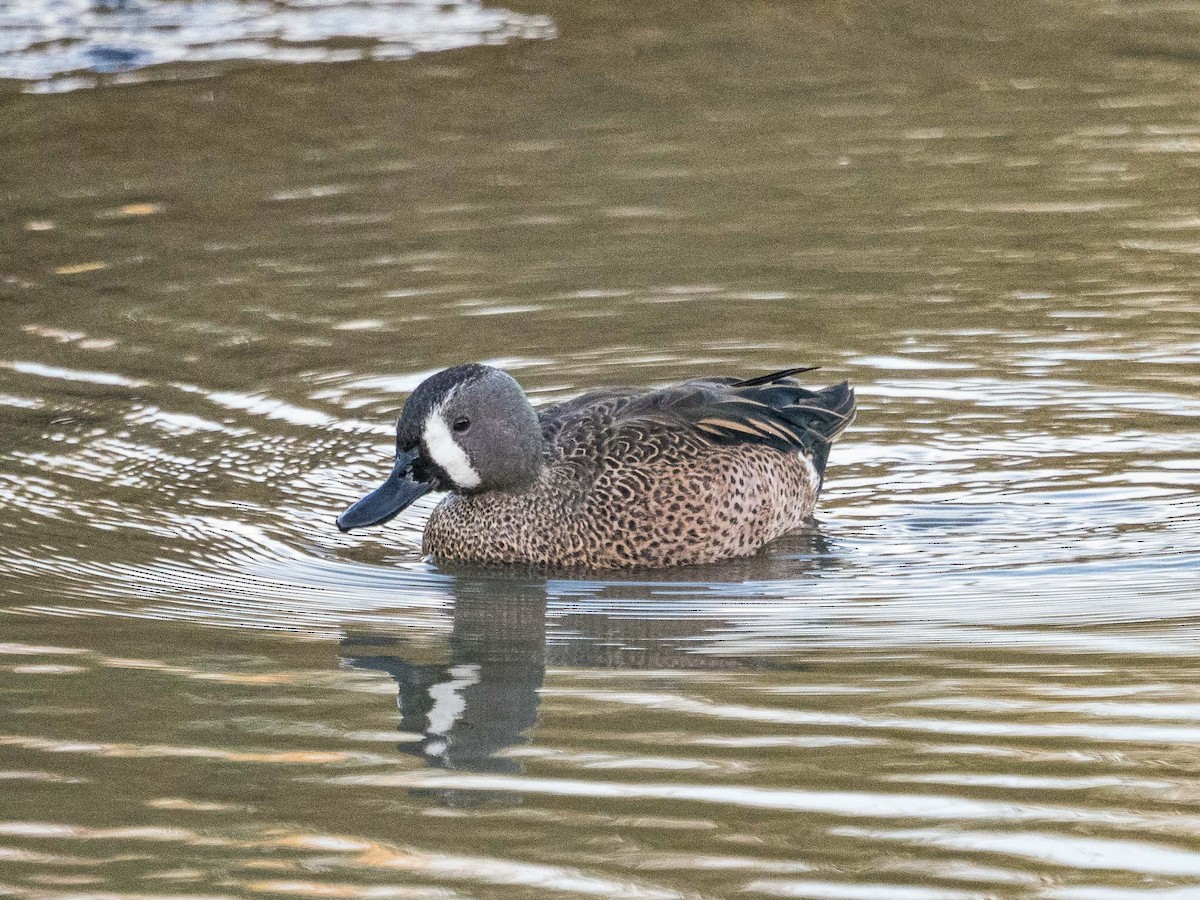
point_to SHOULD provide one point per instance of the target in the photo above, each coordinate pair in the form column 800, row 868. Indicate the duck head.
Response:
column 469, row 429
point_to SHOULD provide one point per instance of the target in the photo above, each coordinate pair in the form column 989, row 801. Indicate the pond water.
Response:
column 974, row 677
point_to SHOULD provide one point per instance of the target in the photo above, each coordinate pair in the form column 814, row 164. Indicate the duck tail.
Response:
column 775, row 376
column 822, row 415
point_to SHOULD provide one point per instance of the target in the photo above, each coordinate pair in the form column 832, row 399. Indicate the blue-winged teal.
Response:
column 701, row 471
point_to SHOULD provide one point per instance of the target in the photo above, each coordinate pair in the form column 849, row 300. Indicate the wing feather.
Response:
column 773, row 410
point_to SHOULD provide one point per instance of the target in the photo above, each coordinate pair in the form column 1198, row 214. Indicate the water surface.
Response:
column 972, row 678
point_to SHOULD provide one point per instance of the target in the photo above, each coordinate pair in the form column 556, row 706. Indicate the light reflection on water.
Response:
column 973, row 677
column 63, row 45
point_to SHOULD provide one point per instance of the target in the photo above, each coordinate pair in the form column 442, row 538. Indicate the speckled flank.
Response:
column 692, row 503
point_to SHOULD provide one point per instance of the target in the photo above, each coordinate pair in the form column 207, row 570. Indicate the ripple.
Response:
column 44, row 371
column 158, row 751
column 839, row 803
column 1074, row 852
column 829, row 890
column 1152, row 734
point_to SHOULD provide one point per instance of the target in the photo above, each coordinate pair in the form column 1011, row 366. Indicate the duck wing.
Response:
column 773, row 410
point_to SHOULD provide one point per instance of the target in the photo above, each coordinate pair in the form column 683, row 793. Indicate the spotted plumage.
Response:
column 701, row 471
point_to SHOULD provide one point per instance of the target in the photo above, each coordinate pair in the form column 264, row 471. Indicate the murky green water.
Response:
column 975, row 679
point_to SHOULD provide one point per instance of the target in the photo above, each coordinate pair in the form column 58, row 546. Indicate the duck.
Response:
column 697, row 472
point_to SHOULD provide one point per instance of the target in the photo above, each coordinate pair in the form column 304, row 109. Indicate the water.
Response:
column 974, row 678
column 64, row 45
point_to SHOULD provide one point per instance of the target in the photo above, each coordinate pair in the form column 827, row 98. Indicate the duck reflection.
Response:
column 483, row 698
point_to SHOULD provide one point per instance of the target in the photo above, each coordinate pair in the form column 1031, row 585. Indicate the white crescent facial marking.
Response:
column 447, row 454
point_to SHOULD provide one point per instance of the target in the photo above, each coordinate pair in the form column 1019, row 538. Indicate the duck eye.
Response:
column 461, row 425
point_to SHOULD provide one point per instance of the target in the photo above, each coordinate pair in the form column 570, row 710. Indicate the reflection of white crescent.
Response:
column 448, row 704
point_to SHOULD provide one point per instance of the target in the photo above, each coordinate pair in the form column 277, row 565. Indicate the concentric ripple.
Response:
column 246, row 487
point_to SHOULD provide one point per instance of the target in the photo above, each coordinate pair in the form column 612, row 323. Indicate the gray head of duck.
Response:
column 468, row 429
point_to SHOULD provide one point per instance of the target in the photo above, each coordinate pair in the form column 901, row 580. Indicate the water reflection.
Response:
column 483, row 698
